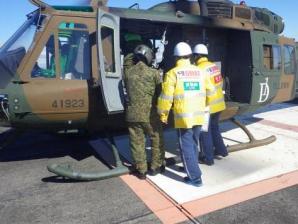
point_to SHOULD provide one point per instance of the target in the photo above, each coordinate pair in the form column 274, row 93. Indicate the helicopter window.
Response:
column 14, row 50
column 289, row 53
column 45, row 65
column 107, row 37
column 74, row 49
column 272, row 57
column 23, row 37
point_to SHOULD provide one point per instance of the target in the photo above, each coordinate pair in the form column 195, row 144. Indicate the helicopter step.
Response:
column 252, row 141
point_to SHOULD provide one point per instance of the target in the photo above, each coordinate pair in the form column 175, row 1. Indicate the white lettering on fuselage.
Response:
column 264, row 92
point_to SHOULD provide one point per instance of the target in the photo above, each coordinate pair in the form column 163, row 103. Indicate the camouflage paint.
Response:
column 30, row 101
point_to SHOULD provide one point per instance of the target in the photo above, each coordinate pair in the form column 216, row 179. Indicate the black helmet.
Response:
column 145, row 52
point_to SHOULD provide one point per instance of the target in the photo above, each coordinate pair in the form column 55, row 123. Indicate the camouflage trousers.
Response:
column 137, row 137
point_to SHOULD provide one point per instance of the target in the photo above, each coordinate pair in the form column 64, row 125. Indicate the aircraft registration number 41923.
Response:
column 67, row 103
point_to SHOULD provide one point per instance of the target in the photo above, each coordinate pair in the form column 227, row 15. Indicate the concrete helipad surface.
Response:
column 239, row 168
column 244, row 174
column 243, row 167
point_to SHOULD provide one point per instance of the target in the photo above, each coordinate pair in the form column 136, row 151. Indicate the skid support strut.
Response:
column 68, row 172
column 252, row 141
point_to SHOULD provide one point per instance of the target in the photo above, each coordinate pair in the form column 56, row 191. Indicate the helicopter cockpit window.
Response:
column 107, row 41
column 272, row 57
column 23, row 37
column 45, row 65
column 289, row 53
column 14, row 50
column 74, row 51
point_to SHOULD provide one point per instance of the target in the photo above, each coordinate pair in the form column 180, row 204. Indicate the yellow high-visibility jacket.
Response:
column 186, row 86
column 216, row 99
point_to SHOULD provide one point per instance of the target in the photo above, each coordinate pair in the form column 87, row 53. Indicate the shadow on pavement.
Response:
column 61, row 180
column 39, row 145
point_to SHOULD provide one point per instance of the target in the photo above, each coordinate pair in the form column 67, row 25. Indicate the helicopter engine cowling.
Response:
column 225, row 9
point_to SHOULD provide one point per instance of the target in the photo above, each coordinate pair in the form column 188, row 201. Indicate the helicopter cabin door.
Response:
column 266, row 67
column 108, row 43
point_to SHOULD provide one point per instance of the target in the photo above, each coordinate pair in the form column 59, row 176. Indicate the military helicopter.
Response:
column 62, row 69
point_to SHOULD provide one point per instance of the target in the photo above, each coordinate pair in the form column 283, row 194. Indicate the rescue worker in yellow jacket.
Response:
column 211, row 141
column 186, row 87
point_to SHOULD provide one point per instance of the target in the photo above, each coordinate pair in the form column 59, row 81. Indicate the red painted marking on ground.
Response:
column 225, row 199
column 274, row 124
column 280, row 125
column 169, row 212
column 160, row 204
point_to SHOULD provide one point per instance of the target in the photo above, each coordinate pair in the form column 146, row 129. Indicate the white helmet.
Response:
column 182, row 49
column 200, row 49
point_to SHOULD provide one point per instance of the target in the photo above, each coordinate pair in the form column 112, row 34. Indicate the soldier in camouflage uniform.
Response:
column 142, row 84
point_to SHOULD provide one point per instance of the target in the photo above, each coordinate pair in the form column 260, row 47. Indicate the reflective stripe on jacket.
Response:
column 216, row 99
column 187, row 87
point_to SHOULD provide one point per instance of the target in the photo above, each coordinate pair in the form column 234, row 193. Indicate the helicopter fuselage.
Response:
column 69, row 74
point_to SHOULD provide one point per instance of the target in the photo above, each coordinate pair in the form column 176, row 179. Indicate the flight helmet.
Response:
column 142, row 51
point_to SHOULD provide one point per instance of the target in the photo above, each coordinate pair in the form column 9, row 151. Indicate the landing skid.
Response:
column 68, row 172
column 252, row 141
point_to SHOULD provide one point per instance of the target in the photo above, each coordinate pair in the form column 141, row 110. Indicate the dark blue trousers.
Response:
column 212, row 141
column 189, row 143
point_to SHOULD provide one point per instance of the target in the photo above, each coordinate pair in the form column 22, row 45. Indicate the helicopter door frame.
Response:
column 108, row 42
column 267, row 66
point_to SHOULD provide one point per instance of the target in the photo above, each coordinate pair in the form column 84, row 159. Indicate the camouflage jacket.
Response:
column 143, row 87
